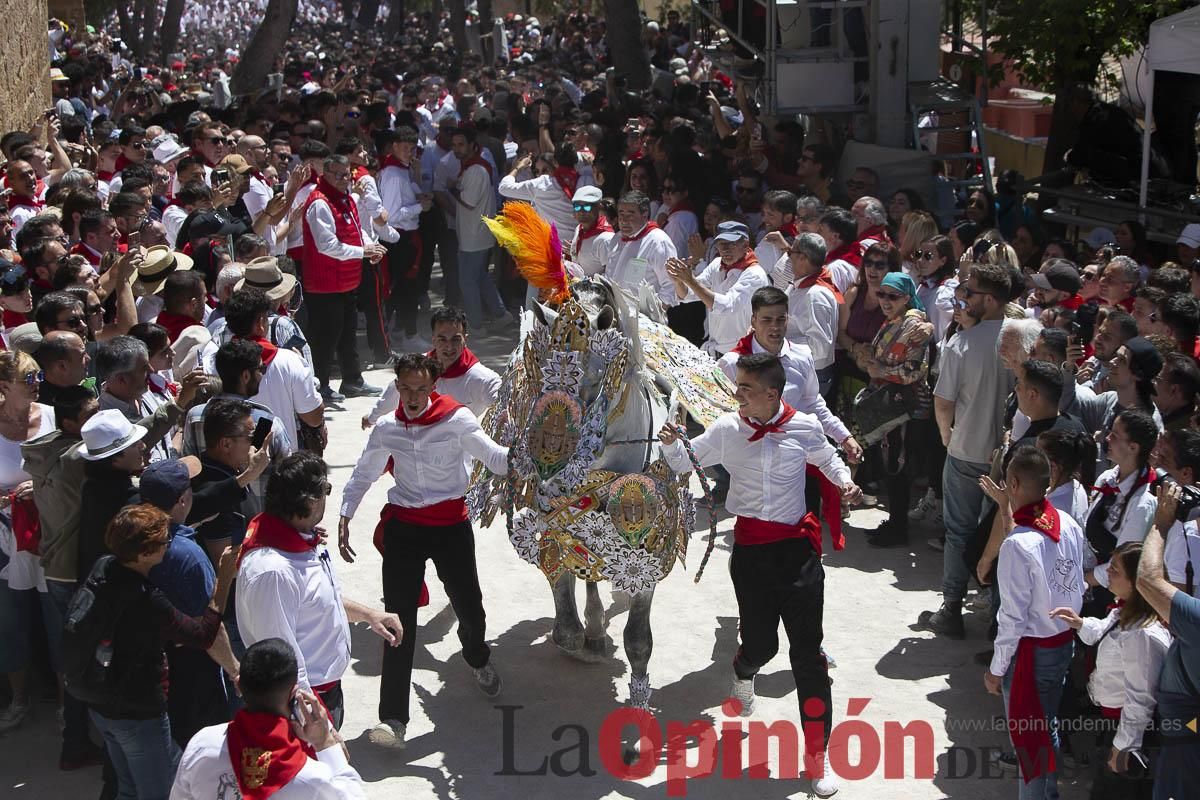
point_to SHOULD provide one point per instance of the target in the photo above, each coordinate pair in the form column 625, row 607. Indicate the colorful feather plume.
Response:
column 534, row 246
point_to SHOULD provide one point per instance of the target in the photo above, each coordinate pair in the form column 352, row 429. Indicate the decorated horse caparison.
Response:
column 587, row 495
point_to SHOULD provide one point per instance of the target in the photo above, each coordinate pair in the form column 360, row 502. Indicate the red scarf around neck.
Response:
column 268, row 348
column 762, row 429
column 268, row 530
column 567, row 178
column 359, row 172
column 650, row 226
column 161, row 386
column 473, row 160
column 265, row 752
column 1072, row 303
column 175, row 323
column 745, row 345
column 602, row 226
column 391, row 161
column 823, row 278
column 15, row 200
column 466, row 359
column 748, row 260
column 789, row 230
column 440, row 407
column 1041, row 516
column 686, row 205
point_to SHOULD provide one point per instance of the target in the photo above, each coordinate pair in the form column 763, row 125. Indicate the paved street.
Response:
column 463, row 746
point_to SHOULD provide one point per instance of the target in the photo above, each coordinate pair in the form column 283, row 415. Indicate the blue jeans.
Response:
column 16, row 627
column 478, row 289
column 962, row 503
column 143, row 754
column 1050, row 671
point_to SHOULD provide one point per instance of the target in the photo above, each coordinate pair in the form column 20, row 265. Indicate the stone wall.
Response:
column 24, row 63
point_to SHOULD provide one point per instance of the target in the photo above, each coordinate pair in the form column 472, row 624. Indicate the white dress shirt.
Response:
column 399, row 194
column 766, row 477
column 769, row 255
column 428, row 460
column 1070, row 498
column 680, row 225
column 258, row 194
column 1128, row 663
column 296, row 232
column 938, row 299
column 1036, row 575
column 172, row 220
column 296, row 597
column 843, row 273
column 477, row 389
column 1182, row 546
column 801, row 391
column 813, row 320
column 592, row 253
column 319, row 219
column 1134, row 525
column 206, row 772
column 656, row 248
column 549, row 200
column 288, row 389
column 729, row 317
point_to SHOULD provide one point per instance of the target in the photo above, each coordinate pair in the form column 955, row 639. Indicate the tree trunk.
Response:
column 458, row 27
column 368, row 10
column 395, row 20
column 347, row 11
column 149, row 14
column 258, row 57
column 169, row 35
column 487, row 27
column 629, row 58
column 126, row 23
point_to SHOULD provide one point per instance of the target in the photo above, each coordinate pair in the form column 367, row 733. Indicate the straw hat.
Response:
column 264, row 273
column 159, row 262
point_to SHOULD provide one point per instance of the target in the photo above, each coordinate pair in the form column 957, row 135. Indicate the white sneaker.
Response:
column 743, row 691
column 14, row 715
column 928, row 506
column 389, row 733
column 488, row 680
column 826, row 785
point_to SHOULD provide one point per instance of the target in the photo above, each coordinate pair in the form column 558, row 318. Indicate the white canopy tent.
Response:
column 1174, row 45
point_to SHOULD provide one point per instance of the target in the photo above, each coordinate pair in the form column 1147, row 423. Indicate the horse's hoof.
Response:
column 569, row 643
column 600, row 648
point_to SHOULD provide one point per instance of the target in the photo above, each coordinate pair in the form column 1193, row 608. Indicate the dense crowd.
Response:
column 184, row 275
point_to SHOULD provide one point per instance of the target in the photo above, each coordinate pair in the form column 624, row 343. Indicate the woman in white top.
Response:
column 1122, row 505
column 22, row 580
column 1072, row 458
column 1132, row 646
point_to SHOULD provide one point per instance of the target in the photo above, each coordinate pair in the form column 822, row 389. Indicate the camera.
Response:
column 1188, row 504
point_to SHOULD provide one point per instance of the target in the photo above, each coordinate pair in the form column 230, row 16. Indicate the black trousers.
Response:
column 403, row 257
column 406, row 548
column 447, row 244
column 335, row 703
column 196, row 697
column 432, row 227
column 333, row 328
column 371, row 296
column 897, row 456
column 784, row 581
column 687, row 319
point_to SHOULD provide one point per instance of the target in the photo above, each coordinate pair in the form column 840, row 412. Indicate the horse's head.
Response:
column 597, row 298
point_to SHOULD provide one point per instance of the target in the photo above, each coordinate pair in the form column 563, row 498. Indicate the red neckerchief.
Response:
column 175, row 323
column 440, row 407
column 847, row 252
column 745, row 345
column 258, row 175
column 81, row 249
column 1112, row 488
column 567, row 178
column 121, row 163
column 650, row 226
column 391, row 161
column 748, row 260
column 265, row 752
column 1041, row 516
column 15, row 200
column 268, row 530
column 161, row 386
column 1072, row 303
column 476, row 159
column 359, row 172
column 105, row 175
column 823, row 278
column 268, row 348
column 761, row 430
column 686, row 205
column 466, row 359
column 602, row 226
column 789, row 230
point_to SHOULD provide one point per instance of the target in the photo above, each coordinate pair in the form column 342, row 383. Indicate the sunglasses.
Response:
column 746, row 189
column 353, row 114
column 807, row 157
column 875, row 263
column 1088, row 277
column 891, row 297
column 670, row 188
column 583, row 206
column 856, row 185
column 968, row 293
column 218, row 140
column 34, row 378
column 75, row 320
column 924, row 255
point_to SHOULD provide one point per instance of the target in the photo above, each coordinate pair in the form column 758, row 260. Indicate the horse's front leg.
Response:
column 639, row 642
column 596, row 644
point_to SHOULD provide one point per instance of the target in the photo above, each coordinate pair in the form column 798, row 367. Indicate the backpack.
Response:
column 88, row 631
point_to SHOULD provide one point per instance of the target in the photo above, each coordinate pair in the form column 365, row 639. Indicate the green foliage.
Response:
column 1054, row 43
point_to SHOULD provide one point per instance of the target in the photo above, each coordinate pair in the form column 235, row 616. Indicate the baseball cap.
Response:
column 236, row 163
column 1190, row 235
column 164, row 482
column 1144, row 360
column 1062, row 277
column 587, row 194
column 732, row 232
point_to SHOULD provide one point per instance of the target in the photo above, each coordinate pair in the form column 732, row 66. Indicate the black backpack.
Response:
column 88, row 632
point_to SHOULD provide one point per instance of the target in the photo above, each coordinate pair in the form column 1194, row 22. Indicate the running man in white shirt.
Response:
column 1040, row 569
column 776, row 561
column 280, row 745
column 425, row 442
